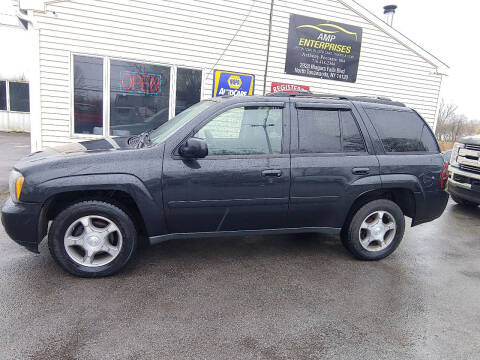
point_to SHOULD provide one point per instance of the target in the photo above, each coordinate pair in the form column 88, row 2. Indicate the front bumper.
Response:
column 463, row 193
column 21, row 222
column 463, row 184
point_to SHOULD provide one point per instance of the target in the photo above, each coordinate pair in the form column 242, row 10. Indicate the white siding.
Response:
column 386, row 68
column 14, row 121
column 194, row 33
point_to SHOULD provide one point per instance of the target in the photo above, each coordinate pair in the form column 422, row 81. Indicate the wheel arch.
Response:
column 55, row 204
column 403, row 197
column 126, row 192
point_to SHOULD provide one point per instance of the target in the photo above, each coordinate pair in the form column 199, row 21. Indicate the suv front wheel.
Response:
column 375, row 230
column 92, row 239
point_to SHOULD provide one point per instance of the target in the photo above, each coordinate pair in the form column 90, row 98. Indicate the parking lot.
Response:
column 271, row 297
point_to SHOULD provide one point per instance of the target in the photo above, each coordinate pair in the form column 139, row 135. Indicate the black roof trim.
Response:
column 308, row 94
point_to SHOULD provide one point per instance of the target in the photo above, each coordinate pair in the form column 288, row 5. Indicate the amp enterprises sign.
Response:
column 323, row 49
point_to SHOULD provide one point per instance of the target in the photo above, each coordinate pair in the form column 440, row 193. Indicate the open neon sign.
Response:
column 143, row 83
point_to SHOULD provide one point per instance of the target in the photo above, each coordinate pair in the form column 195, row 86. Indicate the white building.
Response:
column 14, row 71
column 105, row 67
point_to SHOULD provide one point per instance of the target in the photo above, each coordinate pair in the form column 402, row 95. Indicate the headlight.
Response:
column 15, row 183
column 454, row 156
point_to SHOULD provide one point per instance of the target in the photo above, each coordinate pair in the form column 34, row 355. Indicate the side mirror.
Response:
column 194, row 148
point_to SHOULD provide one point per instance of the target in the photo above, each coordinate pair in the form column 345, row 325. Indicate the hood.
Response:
column 471, row 140
column 88, row 158
column 101, row 156
column 120, row 143
column 72, row 150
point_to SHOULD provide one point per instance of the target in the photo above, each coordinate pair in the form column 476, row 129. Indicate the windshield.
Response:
column 164, row 131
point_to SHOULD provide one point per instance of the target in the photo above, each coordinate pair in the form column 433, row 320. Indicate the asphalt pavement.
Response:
column 13, row 146
column 271, row 297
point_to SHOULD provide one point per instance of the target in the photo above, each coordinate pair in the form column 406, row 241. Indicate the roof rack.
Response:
column 291, row 94
column 370, row 99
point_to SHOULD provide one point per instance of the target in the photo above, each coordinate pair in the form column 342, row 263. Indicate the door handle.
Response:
column 360, row 171
column 276, row 173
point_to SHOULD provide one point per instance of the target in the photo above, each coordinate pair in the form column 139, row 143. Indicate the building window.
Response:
column 88, row 95
column 139, row 97
column 19, row 96
column 189, row 88
column 3, row 95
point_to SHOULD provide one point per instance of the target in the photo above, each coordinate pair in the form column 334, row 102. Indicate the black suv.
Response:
column 233, row 166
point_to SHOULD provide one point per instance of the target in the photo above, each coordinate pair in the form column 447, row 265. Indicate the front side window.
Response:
column 139, row 97
column 3, row 95
column 88, row 95
column 402, row 131
column 250, row 130
column 19, row 96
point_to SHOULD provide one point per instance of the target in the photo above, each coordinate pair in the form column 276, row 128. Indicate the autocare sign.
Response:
column 232, row 83
column 323, row 49
column 288, row 88
column 133, row 82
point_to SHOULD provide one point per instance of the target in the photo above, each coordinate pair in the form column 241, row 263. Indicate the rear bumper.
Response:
column 21, row 222
column 430, row 207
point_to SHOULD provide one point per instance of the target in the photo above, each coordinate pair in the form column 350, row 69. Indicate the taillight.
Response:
column 444, row 176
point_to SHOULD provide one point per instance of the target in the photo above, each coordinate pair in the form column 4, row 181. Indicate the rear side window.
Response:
column 319, row 131
column 328, row 131
column 402, row 131
column 352, row 139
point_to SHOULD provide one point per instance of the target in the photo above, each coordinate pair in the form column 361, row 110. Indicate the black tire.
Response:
column 106, row 210
column 351, row 234
column 463, row 202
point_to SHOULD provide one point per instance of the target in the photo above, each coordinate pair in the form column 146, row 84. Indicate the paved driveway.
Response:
column 13, row 146
column 275, row 297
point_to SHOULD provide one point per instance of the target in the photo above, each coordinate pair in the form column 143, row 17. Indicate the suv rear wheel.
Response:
column 92, row 239
column 375, row 230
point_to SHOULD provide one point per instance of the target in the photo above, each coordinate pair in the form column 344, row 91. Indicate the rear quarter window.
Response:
column 402, row 131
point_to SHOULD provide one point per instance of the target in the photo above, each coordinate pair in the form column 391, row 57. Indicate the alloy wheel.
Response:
column 377, row 231
column 93, row 241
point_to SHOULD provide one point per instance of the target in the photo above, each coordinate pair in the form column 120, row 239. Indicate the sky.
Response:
column 446, row 29
column 14, row 65
column 450, row 30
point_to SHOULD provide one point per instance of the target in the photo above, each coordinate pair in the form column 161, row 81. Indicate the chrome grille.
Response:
column 472, row 147
column 470, row 168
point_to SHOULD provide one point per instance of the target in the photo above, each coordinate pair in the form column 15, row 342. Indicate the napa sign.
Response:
column 232, row 83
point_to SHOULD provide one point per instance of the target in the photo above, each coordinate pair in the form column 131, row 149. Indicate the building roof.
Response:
column 441, row 67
